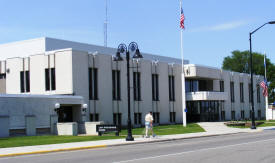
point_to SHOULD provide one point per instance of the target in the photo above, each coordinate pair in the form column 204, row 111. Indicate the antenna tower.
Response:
column 105, row 23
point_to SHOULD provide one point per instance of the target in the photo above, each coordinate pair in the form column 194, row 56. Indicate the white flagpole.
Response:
column 182, row 78
column 267, row 111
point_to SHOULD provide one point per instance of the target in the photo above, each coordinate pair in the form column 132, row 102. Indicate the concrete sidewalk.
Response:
column 212, row 129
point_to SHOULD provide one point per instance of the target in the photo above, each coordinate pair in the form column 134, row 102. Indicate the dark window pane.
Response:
column 114, row 84
column 153, row 87
column 173, row 88
column 139, row 87
column 139, row 118
column 90, row 84
column 114, row 118
column 22, row 83
column 221, row 86
column 157, row 87
column 27, row 73
column 232, row 92
column 135, row 86
column 241, row 92
column 47, row 79
column 96, row 117
column 53, row 78
column 119, row 119
column 91, row 117
column 95, row 84
column 118, row 85
column 135, row 118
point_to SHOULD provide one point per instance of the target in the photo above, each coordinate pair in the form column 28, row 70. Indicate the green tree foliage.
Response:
column 240, row 62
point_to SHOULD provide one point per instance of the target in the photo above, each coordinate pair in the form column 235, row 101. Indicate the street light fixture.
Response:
column 253, row 126
column 122, row 48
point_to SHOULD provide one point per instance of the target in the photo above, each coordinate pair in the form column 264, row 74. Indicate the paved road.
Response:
column 248, row 147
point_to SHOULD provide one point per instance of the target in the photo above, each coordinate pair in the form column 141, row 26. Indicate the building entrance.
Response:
column 203, row 111
column 65, row 114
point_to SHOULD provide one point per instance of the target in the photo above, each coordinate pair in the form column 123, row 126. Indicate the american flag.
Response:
column 181, row 19
column 263, row 84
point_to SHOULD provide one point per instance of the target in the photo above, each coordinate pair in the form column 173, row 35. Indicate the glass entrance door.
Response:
column 202, row 111
column 65, row 114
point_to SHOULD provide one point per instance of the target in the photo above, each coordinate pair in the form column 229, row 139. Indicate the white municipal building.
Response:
column 49, row 79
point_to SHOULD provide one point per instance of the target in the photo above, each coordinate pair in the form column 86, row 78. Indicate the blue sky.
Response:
column 214, row 28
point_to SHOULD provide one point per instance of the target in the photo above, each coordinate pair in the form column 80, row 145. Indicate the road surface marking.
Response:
column 180, row 153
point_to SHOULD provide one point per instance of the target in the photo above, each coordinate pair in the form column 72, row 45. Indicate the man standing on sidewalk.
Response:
column 149, row 124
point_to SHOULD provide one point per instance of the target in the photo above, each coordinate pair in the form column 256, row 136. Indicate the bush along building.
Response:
column 57, row 68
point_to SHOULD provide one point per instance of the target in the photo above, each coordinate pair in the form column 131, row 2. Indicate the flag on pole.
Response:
column 181, row 18
column 263, row 84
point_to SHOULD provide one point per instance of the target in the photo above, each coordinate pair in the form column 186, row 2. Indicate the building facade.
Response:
column 57, row 67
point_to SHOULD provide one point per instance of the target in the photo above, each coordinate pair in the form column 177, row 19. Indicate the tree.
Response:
column 240, row 62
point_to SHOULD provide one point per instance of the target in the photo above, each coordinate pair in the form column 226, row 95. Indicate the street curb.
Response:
column 54, row 150
column 120, row 144
column 172, row 139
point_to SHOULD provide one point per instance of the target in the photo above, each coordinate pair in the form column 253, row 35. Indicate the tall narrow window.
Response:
column 27, row 76
column 171, row 88
column 156, row 117
column 137, row 88
column 233, row 115
column 93, row 95
column 221, row 86
column 222, row 115
column 242, row 114
column 47, row 79
column 241, row 93
column 52, row 78
column 232, row 92
column 137, row 118
column 172, row 117
column 22, row 81
column 258, row 94
column 116, row 84
column 259, row 115
column 249, row 92
column 117, row 118
column 155, row 87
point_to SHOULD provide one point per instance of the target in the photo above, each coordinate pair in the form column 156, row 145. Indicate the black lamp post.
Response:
column 253, row 126
column 122, row 48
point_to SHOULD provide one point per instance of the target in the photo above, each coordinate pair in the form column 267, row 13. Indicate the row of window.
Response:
column 192, row 85
column 232, row 93
column 49, row 80
column 233, row 115
column 116, row 86
column 117, row 118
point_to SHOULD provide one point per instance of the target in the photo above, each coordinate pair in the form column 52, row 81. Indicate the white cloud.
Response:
column 221, row 27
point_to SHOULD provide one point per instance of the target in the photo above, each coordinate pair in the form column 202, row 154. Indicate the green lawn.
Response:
column 266, row 124
column 50, row 139
column 168, row 129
